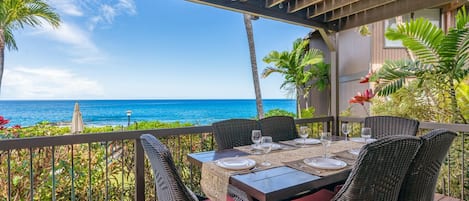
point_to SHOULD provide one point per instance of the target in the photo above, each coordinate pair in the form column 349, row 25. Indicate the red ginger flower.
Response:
column 362, row 98
column 3, row 121
column 366, row 79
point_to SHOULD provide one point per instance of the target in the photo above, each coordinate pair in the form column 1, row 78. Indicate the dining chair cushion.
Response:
column 420, row 181
column 389, row 125
column 321, row 195
column 281, row 128
column 233, row 132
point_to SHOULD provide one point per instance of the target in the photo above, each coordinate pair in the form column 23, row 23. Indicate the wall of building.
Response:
column 354, row 56
column 380, row 52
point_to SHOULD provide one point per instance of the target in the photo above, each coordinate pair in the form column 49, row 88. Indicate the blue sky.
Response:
column 141, row 49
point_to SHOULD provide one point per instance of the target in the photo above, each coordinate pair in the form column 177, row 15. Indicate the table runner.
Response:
column 215, row 179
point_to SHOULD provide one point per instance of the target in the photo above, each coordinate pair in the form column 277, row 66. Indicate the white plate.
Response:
column 308, row 141
column 275, row 146
column 325, row 163
column 236, row 163
column 354, row 151
column 362, row 140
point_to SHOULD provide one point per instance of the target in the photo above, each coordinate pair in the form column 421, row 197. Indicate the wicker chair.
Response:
column 279, row 127
column 169, row 185
column 388, row 125
column 378, row 172
column 420, row 181
column 233, row 132
column 380, row 169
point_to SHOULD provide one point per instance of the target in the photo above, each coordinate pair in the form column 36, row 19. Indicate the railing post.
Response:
column 139, row 171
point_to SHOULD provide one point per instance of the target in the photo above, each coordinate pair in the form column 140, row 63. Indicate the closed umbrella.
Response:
column 77, row 120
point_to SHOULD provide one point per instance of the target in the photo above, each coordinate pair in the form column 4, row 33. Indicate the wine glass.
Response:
column 366, row 133
column 304, row 132
column 326, row 139
column 256, row 137
column 266, row 145
column 346, row 130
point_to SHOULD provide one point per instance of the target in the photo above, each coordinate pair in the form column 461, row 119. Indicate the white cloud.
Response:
column 67, row 7
column 107, row 12
column 128, row 6
column 47, row 83
column 83, row 48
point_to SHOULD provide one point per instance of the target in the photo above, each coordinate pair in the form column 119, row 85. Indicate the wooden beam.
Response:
column 329, row 5
column 272, row 3
column 454, row 5
column 300, row 4
column 357, row 8
column 257, row 8
column 327, row 40
column 398, row 8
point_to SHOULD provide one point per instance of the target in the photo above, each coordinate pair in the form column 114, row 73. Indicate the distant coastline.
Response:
column 113, row 111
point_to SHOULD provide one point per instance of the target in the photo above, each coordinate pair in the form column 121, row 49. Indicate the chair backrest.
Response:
column 388, row 125
column 420, row 181
column 279, row 127
column 380, row 169
column 233, row 132
column 169, row 185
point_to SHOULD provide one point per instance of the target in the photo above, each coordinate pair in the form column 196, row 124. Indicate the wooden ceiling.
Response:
column 333, row 15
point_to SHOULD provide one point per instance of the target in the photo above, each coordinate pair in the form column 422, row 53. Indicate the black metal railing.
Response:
column 112, row 166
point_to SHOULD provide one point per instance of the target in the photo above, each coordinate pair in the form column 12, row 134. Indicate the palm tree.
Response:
column 255, row 74
column 436, row 56
column 14, row 15
column 293, row 66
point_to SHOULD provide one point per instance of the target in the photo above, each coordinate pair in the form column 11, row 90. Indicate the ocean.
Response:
column 113, row 112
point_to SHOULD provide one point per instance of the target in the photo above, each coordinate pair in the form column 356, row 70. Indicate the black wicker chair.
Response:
column 169, row 185
column 420, row 181
column 279, row 127
column 378, row 172
column 233, row 132
column 388, row 125
column 380, row 169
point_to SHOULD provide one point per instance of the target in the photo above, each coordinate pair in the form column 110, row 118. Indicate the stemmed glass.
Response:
column 266, row 144
column 366, row 133
column 346, row 130
column 326, row 139
column 304, row 132
column 256, row 138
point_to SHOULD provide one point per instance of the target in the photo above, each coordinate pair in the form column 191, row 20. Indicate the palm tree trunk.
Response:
column 2, row 55
column 255, row 74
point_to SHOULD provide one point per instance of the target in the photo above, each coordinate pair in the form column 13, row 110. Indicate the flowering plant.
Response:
column 366, row 96
column 8, row 132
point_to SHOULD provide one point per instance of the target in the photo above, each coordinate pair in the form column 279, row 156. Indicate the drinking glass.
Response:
column 304, row 132
column 326, row 139
column 256, row 137
column 366, row 133
column 346, row 130
column 266, row 145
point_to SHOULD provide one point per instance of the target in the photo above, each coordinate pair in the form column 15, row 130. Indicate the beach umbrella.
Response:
column 77, row 120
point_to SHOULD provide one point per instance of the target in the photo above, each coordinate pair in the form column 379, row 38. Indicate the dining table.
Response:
column 292, row 172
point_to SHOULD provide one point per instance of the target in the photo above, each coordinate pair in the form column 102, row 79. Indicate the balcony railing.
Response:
column 112, row 166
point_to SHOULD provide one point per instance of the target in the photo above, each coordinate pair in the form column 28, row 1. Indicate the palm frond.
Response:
column 392, row 76
column 421, row 37
column 10, row 42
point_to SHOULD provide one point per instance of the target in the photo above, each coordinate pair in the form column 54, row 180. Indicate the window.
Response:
column 431, row 14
